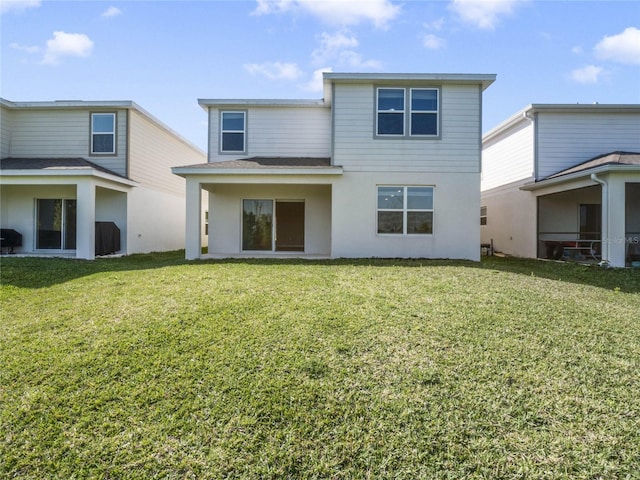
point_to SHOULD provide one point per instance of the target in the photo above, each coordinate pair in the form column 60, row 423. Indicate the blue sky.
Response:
column 164, row 55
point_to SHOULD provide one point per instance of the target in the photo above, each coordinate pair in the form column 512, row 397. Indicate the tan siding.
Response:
column 567, row 139
column 508, row 157
column 153, row 151
column 5, row 132
column 64, row 133
column 458, row 149
column 278, row 131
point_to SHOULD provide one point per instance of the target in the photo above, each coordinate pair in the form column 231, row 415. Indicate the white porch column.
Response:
column 192, row 236
column 616, row 218
column 86, row 220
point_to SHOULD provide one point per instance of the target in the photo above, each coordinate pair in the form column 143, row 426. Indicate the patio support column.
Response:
column 193, row 242
column 86, row 220
column 616, row 240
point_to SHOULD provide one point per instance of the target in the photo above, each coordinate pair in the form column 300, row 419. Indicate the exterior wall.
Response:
column 509, row 157
column 225, row 214
column 18, row 208
column 5, row 131
column 153, row 151
column 511, row 220
column 156, row 221
column 111, row 206
column 456, row 229
column 456, row 150
column 560, row 212
column 567, row 139
column 61, row 133
column 291, row 131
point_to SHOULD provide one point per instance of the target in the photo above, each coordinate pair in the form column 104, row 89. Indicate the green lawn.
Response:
column 152, row 367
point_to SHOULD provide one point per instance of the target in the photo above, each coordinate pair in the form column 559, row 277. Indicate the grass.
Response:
column 152, row 367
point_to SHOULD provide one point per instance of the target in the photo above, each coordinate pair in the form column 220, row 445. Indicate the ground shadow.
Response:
column 31, row 272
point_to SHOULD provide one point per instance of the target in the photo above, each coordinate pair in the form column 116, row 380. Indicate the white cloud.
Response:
column 26, row 48
column 275, row 70
column 339, row 48
column 589, row 74
column 112, row 12
column 67, row 45
column 577, row 50
column 483, row 14
column 335, row 12
column 433, row 42
column 17, row 6
column 434, row 25
column 316, row 83
column 622, row 48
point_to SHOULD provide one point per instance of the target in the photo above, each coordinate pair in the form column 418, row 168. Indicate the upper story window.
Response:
column 407, row 112
column 233, row 131
column 103, row 133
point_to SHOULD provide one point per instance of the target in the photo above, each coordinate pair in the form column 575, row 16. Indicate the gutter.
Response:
column 605, row 216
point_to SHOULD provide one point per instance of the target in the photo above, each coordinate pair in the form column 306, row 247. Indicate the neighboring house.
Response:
column 386, row 165
column 71, row 170
column 563, row 181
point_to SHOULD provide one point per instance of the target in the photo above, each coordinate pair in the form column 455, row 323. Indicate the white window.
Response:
column 390, row 108
column 417, row 117
column 424, row 111
column 103, row 133
column 405, row 210
column 233, row 132
column 483, row 215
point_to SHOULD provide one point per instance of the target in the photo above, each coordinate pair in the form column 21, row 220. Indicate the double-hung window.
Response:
column 410, row 112
column 424, row 111
column 390, row 109
column 405, row 210
column 233, row 132
column 103, row 133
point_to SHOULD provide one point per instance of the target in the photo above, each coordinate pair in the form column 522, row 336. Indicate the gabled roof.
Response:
column 51, row 166
column 260, row 165
column 613, row 158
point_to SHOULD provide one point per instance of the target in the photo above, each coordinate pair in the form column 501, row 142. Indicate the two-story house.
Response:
column 79, row 178
column 385, row 165
column 563, row 182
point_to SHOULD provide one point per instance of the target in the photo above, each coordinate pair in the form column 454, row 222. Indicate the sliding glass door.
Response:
column 55, row 224
column 262, row 230
column 257, row 225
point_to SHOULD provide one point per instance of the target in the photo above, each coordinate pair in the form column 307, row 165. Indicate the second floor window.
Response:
column 407, row 112
column 103, row 133
column 233, row 132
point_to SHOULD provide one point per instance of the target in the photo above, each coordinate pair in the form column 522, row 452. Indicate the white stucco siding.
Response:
column 57, row 133
column 457, row 150
column 289, row 131
column 567, row 139
column 156, row 221
column 509, row 157
column 5, row 131
column 153, row 151
column 456, row 229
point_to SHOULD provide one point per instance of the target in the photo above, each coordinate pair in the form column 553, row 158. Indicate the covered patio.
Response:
column 591, row 212
column 260, row 207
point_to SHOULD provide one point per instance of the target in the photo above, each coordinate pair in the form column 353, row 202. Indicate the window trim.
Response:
column 405, row 210
column 114, row 133
column 408, row 89
column 222, row 132
column 483, row 215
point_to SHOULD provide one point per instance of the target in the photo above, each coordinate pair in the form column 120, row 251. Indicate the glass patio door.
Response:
column 55, row 224
column 257, row 225
column 263, row 228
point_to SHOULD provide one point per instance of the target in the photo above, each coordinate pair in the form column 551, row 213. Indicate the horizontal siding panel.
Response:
column 567, row 139
column 278, row 131
column 154, row 150
column 64, row 133
column 5, row 131
column 357, row 148
column 509, row 157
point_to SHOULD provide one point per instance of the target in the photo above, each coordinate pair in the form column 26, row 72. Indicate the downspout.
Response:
column 605, row 216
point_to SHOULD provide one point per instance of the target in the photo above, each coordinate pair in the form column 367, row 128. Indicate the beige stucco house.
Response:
column 385, row 165
column 79, row 178
column 563, row 182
